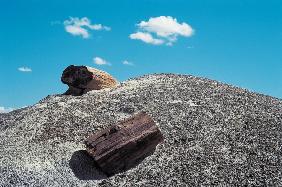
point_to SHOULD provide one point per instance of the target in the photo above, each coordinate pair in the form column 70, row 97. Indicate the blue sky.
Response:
column 236, row 42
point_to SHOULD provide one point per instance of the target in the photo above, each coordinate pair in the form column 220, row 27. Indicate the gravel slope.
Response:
column 215, row 134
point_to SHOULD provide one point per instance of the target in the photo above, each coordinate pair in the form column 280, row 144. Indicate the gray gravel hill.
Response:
column 215, row 134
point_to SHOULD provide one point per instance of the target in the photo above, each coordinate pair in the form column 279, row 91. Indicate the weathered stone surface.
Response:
column 125, row 145
column 82, row 79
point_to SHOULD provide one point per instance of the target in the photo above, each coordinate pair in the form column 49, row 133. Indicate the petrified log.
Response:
column 123, row 146
column 82, row 79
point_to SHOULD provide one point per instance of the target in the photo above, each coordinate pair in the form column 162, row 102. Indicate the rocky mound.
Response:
column 215, row 134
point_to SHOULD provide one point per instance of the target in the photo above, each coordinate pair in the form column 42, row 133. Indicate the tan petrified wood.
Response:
column 82, row 79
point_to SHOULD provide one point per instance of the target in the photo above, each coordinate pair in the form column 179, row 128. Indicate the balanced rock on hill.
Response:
column 82, row 79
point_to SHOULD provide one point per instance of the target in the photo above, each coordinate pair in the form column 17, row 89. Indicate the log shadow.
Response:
column 84, row 167
column 121, row 167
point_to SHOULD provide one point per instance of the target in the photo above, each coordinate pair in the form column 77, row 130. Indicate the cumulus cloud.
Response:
column 100, row 61
column 125, row 62
column 25, row 69
column 165, row 29
column 81, row 27
column 5, row 110
column 166, row 26
column 146, row 37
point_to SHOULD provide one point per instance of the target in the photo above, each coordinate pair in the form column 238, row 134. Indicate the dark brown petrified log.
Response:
column 124, row 145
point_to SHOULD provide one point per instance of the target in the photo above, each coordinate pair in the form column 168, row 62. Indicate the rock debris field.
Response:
column 215, row 134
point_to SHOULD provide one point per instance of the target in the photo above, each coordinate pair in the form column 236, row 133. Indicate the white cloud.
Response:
column 125, row 62
column 25, row 69
column 5, row 110
column 165, row 28
column 146, row 37
column 100, row 61
column 74, row 30
column 81, row 27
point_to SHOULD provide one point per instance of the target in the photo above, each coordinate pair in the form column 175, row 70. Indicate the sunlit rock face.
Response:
column 82, row 79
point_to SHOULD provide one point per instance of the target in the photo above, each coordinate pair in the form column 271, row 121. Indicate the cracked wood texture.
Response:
column 124, row 145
